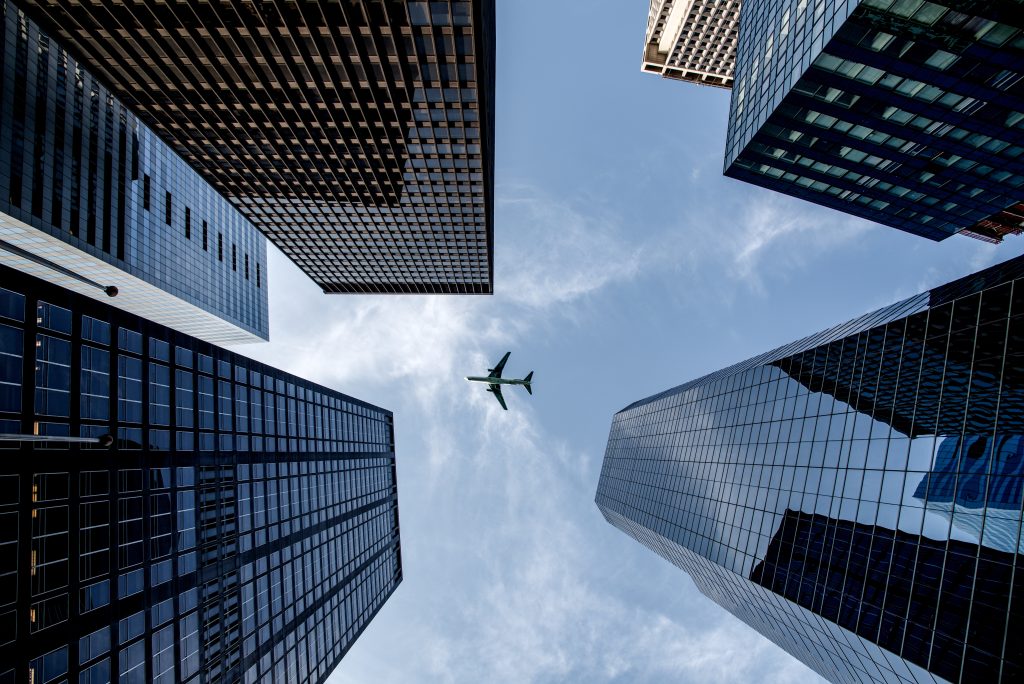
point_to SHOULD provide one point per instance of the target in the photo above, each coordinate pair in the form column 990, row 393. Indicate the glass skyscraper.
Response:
column 909, row 113
column 358, row 135
column 242, row 526
column 90, row 194
column 855, row 496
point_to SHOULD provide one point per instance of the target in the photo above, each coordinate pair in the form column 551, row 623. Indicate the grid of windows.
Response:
column 856, row 496
column 693, row 40
column 254, row 546
column 909, row 113
column 371, row 166
column 76, row 165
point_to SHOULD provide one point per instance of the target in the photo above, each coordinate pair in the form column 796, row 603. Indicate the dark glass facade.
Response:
column 243, row 528
column 77, row 168
column 358, row 136
column 909, row 113
column 855, row 496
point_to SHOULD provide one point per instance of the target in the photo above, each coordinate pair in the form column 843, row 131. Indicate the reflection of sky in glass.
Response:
column 843, row 453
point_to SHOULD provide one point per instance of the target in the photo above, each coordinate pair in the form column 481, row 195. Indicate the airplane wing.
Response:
column 496, row 389
column 496, row 371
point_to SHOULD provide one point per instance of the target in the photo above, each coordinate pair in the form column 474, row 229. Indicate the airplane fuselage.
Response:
column 495, row 381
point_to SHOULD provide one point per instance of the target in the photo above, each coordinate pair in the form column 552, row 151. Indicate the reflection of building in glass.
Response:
column 907, row 113
column 838, row 434
column 977, row 483
column 357, row 135
column 909, row 594
column 244, row 527
column 86, row 187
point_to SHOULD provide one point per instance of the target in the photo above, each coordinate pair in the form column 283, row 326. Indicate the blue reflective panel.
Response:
column 47, row 668
column 129, row 389
column 53, row 376
column 12, row 304
column 159, row 350
column 94, row 330
column 205, row 364
column 11, row 350
column 94, row 401
column 159, row 394
column 52, row 317
column 159, row 440
column 130, row 583
column 94, row 645
column 183, row 357
column 129, row 340
column 98, row 673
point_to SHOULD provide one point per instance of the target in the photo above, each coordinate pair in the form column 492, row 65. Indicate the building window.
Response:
column 167, row 209
column 258, row 276
column 246, row 266
column 12, row 305
column 234, row 258
column 129, row 389
column 11, row 341
column 205, row 402
column 183, row 398
column 188, row 223
column 160, row 525
column 129, row 529
column 49, row 550
column 224, row 405
column 95, row 384
column 145, row 192
column 53, row 376
column 159, row 394
column 95, row 331
column 220, row 246
column 52, row 317
column 205, row 245
column 47, row 668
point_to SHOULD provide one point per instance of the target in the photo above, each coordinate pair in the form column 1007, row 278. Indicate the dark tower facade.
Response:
column 910, row 114
column 88, row 188
column 856, row 495
column 358, row 135
column 242, row 527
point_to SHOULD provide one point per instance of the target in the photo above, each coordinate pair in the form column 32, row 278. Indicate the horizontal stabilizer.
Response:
column 526, row 382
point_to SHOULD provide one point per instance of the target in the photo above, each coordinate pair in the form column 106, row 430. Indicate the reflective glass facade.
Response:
column 909, row 113
column 357, row 135
column 243, row 527
column 855, row 496
column 77, row 168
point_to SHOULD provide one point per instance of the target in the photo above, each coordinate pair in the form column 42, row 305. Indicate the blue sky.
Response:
column 624, row 264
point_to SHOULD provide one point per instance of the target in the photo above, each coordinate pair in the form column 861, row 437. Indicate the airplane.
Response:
column 496, row 381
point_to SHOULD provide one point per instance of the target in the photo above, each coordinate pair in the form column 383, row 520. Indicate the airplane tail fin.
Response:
column 528, row 379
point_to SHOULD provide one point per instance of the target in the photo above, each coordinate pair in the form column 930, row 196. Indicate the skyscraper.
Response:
column 906, row 113
column 855, row 496
column 358, row 135
column 693, row 40
column 90, row 198
column 243, row 526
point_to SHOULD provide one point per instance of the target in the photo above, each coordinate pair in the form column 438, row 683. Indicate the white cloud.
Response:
column 787, row 233
column 504, row 580
column 555, row 255
column 559, row 254
column 535, row 598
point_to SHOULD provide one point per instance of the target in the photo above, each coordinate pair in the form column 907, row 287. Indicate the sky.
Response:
column 625, row 264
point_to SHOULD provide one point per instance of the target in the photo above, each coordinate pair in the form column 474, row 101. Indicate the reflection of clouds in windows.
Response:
column 977, row 484
column 835, row 470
